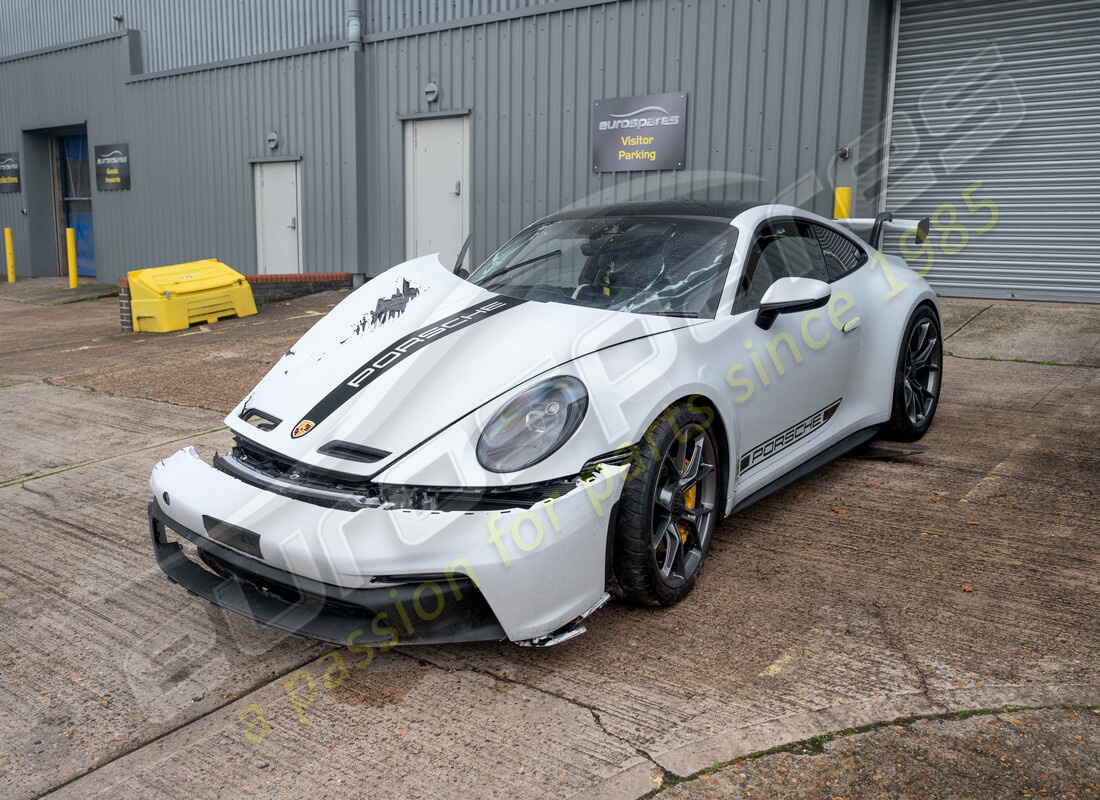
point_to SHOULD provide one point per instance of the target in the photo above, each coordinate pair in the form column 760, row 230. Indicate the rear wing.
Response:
column 885, row 222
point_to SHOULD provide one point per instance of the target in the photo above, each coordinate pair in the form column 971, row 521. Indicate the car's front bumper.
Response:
column 422, row 576
column 305, row 607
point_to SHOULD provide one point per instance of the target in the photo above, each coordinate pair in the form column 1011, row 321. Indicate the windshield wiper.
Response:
column 513, row 267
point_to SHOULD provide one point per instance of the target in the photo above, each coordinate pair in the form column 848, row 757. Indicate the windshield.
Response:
column 668, row 266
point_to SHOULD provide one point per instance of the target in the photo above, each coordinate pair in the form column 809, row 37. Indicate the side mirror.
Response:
column 787, row 295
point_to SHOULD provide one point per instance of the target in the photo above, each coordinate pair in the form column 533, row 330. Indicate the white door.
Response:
column 793, row 377
column 437, row 176
column 278, row 244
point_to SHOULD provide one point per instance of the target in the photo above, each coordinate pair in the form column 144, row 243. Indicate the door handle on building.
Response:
column 458, row 188
column 293, row 224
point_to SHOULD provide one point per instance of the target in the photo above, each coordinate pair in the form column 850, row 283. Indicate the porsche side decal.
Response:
column 398, row 352
column 781, row 441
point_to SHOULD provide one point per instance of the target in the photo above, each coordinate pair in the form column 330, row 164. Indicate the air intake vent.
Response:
column 353, row 452
column 265, row 422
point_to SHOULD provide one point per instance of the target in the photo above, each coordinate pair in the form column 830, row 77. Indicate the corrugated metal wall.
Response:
column 175, row 34
column 186, row 33
column 384, row 16
column 775, row 88
column 191, row 137
column 1006, row 93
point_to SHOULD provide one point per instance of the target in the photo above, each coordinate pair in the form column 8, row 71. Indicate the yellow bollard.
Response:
column 11, row 255
column 842, row 202
column 70, row 240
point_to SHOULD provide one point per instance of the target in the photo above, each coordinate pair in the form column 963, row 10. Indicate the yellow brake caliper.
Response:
column 689, row 502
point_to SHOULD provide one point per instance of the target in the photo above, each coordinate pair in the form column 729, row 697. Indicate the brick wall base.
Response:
column 265, row 289
column 271, row 288
column 125, row 317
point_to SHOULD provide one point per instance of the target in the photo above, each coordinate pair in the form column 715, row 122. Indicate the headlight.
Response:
column 533, row 424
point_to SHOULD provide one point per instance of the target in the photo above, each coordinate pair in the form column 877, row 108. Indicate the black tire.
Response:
column 918, row 377
column 668, row 512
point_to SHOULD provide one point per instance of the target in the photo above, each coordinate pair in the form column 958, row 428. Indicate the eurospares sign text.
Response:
column 640, row 133
column 112, row 167
column 9, row 172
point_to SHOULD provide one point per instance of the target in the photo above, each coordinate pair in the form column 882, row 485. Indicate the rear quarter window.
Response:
column 842, row 255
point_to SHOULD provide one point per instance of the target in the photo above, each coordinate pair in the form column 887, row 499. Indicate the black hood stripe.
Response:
column 398, row 352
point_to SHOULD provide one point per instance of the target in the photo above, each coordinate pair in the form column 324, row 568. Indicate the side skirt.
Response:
column 849, row 442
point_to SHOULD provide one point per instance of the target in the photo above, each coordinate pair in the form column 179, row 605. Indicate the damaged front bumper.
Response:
column 384, row 575
column 307, row 608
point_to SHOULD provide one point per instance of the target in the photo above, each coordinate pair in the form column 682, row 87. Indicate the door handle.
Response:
column 851, row 325
column 293, row 224
column 458, row 188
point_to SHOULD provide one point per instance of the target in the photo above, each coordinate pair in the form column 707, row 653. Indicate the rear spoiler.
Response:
column 886, row 222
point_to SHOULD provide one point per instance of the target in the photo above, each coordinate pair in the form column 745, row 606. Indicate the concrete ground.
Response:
column 964, row 578
column 1047, row 753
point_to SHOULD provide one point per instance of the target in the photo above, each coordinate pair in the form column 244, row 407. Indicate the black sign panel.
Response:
column 638, row 133
column 9, row 172
column 112, row 167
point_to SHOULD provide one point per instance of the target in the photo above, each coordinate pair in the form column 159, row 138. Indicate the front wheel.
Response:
column 668, row 510
column 918, row 377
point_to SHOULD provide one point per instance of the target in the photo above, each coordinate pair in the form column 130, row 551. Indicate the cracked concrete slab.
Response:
column 54, row 291
column 67, row 333
column 399, row 727
column 47, row 428
column 1060, row 334
column 88, row 344
column 1041, row 389
column 99, row 651
column 958, row 312
column 212, row 376
column 1048, row 753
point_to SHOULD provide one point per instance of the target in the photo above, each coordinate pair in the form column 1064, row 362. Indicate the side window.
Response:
column 841, row 254
column 782, row 249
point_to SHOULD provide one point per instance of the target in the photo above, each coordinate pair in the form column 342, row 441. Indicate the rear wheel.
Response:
column 918, row 377
column 668, row 510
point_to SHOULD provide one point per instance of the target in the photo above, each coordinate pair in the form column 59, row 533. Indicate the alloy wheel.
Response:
column 921, row 372
column 683, row 517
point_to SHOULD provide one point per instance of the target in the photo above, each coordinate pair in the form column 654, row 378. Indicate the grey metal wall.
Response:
column 384, row 16
column 186, row 33
column 1006, row 93
column 191, row 138
column 175, row 33
column 775, row 88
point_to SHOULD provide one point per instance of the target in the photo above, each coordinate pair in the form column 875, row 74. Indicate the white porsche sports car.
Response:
column 447, row 457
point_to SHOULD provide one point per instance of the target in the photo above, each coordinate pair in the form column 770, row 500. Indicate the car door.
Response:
column 791, row 379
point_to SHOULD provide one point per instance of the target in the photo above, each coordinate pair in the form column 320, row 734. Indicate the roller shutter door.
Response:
column 1008, row 94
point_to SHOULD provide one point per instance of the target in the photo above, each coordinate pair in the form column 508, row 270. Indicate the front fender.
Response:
column 629, row 385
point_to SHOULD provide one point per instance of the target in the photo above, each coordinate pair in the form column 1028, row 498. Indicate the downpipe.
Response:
column 355, row 26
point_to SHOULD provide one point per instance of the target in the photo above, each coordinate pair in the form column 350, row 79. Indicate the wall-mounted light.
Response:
column 116, row 17
column 273, row 139
column 431, row 92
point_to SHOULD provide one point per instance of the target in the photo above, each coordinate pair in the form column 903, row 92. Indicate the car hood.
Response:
column 412, row 352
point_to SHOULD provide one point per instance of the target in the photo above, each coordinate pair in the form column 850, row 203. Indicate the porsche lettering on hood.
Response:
column 399, row 351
